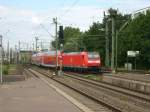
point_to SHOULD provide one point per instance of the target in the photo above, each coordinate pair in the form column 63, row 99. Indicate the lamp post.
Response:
column 1, row 52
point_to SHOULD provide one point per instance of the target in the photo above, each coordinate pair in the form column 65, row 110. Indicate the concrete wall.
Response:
column 129, row 84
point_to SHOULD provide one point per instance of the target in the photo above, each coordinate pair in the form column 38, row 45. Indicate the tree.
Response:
column 71, row 39
column 136, row 37
column 94, row 39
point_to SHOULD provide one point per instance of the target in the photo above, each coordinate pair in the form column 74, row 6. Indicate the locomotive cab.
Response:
column 93, row 60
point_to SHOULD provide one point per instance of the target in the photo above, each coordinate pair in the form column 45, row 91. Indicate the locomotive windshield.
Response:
column 93, row 55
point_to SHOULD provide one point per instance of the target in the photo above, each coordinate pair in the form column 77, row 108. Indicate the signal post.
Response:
column 61, row 39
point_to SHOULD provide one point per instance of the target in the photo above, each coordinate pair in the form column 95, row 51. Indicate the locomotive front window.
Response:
column 93, row 55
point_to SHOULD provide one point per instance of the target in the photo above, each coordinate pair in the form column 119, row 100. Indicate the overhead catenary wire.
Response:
column 68, row 10
column 42, row 26
column 63, row 3
column 74, row 3
column 62, row 15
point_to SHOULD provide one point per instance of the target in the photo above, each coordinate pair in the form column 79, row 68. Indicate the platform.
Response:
column 33, row 95
column 135, row 82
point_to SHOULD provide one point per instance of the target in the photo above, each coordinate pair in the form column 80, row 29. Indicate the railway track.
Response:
column 133, row 93
column 92, row 105
column 117, row 99
column 141, row 76
column 123, row 80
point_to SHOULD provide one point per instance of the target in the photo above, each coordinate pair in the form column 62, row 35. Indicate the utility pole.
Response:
column 12, row 56
column 41, row 45
column 55, row 22
column 117, row 34
column 116, row 54
column 27, row 47
column 1, row 39
column 36, row 41
column 8, row 52
column 106, row 42
column 16, row 54
column 9, row 55
column 33, row 47
column 113, row 14
column 113, row 43
column 19, row 51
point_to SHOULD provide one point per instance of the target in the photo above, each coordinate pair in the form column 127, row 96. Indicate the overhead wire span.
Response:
column 67, row 10
column 74, row 3
column 61, row 4
column 42, row 26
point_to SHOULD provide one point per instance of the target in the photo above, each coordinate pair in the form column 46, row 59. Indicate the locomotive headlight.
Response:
column 94, row 61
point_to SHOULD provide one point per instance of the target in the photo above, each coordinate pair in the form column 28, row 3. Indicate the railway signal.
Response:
column 61, row 41
column 61, row 35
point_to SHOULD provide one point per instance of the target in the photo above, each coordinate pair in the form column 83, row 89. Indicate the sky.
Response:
column 22, row 20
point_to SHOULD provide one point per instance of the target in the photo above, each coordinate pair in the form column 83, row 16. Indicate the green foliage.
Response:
column 72, row 39
column 93, row 77
column 136, row 37
column 94, row 39
column 5, row 69
column 71, row 33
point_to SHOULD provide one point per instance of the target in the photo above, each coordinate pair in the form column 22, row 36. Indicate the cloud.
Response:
column 36, row 20
column 125, row 6
column 19, row 22
column 24, row 24
column 81, row 16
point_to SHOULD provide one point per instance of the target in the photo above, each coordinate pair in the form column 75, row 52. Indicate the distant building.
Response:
column 141, row 11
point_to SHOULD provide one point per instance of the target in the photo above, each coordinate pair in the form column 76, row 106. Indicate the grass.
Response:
column 7, row 68
column 93, row 77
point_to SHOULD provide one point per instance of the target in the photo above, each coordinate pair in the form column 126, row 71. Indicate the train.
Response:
column 74, row 61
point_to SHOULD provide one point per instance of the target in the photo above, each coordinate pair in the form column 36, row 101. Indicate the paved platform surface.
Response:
column 32, row 95
column 134, row 76
column 136, row 82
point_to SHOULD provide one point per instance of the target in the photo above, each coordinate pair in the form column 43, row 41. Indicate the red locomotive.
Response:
column 80, row 61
